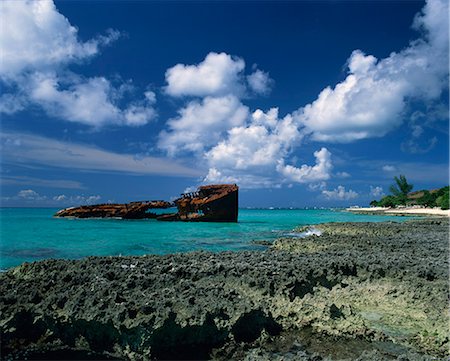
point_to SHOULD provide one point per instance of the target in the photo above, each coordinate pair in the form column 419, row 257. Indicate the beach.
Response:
column 408, row 211
column 359, row 291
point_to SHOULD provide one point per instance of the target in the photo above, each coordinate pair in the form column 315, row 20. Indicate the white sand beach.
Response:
column 406, row 210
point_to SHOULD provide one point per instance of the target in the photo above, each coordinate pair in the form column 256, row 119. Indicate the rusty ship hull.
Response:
column 133, row 210
column 211, row 203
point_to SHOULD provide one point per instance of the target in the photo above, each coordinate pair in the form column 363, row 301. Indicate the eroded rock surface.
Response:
column 357, row 287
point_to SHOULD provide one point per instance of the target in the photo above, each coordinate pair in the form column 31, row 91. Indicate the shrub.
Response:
column 443, row 200
column 428, row 199
column 389, row 201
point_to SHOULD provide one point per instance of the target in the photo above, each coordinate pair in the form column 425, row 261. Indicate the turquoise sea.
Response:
column 30, row 234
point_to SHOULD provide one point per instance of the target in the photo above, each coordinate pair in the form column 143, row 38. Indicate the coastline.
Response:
column 406, row 211
column 364, row 285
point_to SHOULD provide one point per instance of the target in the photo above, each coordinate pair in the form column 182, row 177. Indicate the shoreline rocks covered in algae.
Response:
column 360, row 291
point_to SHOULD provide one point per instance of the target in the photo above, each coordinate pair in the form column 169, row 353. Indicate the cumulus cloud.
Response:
column 77, row 200
column 37, row 44
column 34, row 35
column 251, row 152
column 87, row 101
column 340, row 194
column 217, row 75
column 259, row 143
column 372, row 98
column 216, row 176
column 31, row 197
column 29, row 194
column 376, row 191
column 306, row 174
column 244, row 179
column 201, row 124
column 260, row 82
column 389, row 168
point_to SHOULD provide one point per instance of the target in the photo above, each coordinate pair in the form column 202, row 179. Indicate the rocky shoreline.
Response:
column 360, row 291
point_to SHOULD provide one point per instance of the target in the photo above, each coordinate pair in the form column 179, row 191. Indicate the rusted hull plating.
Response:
column 133, row 210
column 213, row 203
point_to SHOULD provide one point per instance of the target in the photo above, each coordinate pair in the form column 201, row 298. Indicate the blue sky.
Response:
column 300, row 103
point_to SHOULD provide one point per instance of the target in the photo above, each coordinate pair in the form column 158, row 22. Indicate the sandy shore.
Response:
column 402, row 211
column 360, row 291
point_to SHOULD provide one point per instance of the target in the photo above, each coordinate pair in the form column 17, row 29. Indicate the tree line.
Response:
column 401, row 196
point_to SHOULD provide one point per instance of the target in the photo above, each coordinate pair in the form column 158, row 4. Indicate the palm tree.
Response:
column 401, row 188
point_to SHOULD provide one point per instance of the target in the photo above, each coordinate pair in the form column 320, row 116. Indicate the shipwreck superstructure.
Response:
column 211, row 203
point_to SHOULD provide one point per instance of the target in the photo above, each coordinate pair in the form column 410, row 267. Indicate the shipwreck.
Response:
column 210, row 203
column 132, row 210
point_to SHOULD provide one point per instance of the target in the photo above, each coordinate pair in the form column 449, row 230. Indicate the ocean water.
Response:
column 31, row 234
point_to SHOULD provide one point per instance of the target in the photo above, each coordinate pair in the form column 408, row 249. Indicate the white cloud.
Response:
column 24, row 149
column 217, row 75
column 218, row 129
column 50, row 183
column 343, row 175
column 370, row 102
column 60, row 198
column 34, row 35
column 260, row 143
column 12, row 103
column 260, row 82
column 215, row 176
column 389, row 168
column 243, row 179
column 376, row 191
column 30, row 197
column 340, row 194
column 249, row 154
column 37, row 44
column 306, row 174
column 77, row 200
column 317, row 186
column 25, row 196
column 88, row 101
column 202, row 124
column 29, row 194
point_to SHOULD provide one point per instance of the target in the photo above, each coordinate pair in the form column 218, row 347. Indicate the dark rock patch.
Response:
column 174, row 342
column 250, row 325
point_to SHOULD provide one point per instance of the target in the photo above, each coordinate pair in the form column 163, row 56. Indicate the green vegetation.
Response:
column 442, row 198
column 401, row 195
column 401, row 189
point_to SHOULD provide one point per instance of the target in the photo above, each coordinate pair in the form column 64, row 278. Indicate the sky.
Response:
column 301, row 103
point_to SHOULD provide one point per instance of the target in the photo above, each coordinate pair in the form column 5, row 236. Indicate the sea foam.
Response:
column 312, row 231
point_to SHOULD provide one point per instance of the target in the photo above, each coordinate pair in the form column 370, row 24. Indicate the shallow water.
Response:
column 30, row 234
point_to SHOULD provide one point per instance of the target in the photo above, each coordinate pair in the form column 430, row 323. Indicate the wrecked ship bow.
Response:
column 211, row 203
column 132, row 210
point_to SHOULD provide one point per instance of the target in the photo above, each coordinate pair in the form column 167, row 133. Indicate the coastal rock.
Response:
column 355, row 283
